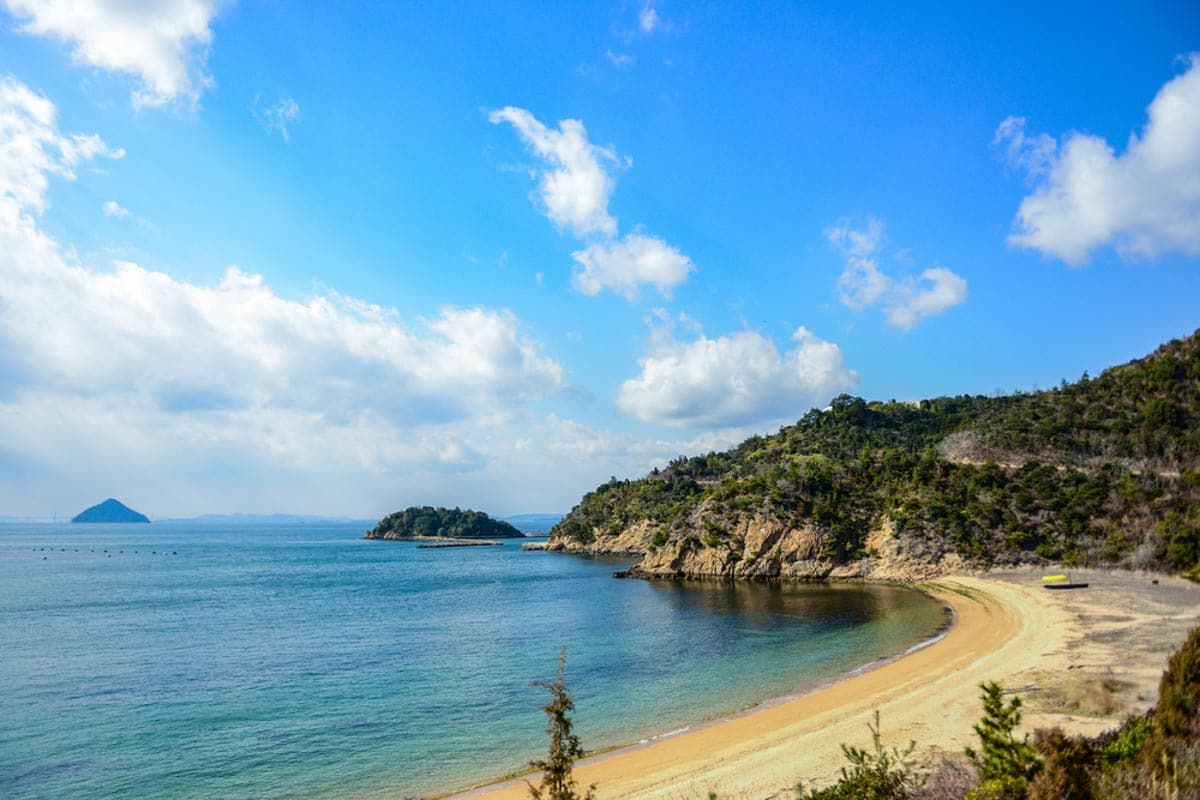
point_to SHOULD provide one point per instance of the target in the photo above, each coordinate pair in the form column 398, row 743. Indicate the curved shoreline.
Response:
column 1005, row 628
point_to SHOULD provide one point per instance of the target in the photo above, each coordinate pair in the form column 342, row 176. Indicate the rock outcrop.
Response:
column 763, row 549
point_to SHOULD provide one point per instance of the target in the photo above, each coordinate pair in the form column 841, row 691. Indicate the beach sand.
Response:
column 1080, row 659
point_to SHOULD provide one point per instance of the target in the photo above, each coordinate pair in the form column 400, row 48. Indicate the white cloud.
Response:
column 575, row 195
column 1144, row 201
column 114, row 209
column 912, row 300
column 230, row 389
column 623, row 266
column 620, row 60
column 735, row 380
column 905, row 300
column 861, row 282
column 277, row 117
column 574, row 192
column 162, row 42
column 648, row 19
column 32, row 149
column 155, row 342
column 132, row 329
column 1032, row 154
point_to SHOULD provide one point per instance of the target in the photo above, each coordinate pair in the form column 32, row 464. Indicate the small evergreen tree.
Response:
column 877, row 774
column 1004, row 760
column 558, row 782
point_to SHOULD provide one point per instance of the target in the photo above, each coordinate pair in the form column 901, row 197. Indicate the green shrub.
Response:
column 1126, row 742
column 876, row 774
column 1002, row 756
column 1179, row 692
column 1009, row 788
column 1170, row 752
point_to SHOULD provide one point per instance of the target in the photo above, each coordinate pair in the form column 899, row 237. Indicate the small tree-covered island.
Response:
column 426, row 522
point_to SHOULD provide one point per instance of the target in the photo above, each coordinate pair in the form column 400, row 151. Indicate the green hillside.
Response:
column 1105, row 470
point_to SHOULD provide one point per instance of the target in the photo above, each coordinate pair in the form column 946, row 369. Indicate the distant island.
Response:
column 426, row 522
column 534, row 524
column 109, row 511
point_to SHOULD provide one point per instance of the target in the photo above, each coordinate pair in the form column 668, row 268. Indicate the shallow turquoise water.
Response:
column 279, row 662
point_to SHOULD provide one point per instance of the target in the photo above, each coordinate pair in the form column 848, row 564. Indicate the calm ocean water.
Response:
column 288, row 662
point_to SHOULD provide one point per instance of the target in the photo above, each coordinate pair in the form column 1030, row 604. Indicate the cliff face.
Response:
column 768, row 550
column 1102, row 471
column 764, row 549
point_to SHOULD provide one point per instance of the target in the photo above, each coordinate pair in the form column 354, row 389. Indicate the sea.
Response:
column 239, row 661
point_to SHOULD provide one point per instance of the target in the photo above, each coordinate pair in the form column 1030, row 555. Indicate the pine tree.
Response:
column 558, row 782
column 877, row 774
column 1003, row 755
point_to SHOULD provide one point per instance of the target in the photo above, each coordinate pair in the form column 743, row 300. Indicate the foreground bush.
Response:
column 876, row 774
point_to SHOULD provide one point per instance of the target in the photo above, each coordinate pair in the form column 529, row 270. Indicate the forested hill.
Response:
column 427, row 522
column 1105, row 470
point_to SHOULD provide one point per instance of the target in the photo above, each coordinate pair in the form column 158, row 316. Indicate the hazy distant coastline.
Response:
column 263, row 519
column 529, row 524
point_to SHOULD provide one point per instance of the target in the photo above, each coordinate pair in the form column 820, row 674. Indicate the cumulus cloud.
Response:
column 130, row 366
column 237, row 341
column 575, row 195
column 162, row 42
column 735, row 380
column 277, row 118
column 1144, row 201
column 574, row 192
column 913, row 299
column 143, row 336
column 624, row 265
column 905, row 300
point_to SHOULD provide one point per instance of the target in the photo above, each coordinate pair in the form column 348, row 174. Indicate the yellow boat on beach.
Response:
column 1060, row 582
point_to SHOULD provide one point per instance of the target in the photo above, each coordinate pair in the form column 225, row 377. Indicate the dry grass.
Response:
column 1079, row 693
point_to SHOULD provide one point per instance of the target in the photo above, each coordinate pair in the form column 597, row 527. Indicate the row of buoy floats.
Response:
column 102, row 552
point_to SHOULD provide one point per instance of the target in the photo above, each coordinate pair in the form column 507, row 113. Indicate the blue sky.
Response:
column 268, row 256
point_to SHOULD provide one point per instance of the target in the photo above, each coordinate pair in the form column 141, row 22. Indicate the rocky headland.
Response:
column 1104, row 471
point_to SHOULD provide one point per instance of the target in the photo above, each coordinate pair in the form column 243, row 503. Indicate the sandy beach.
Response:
column 1080, row 659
